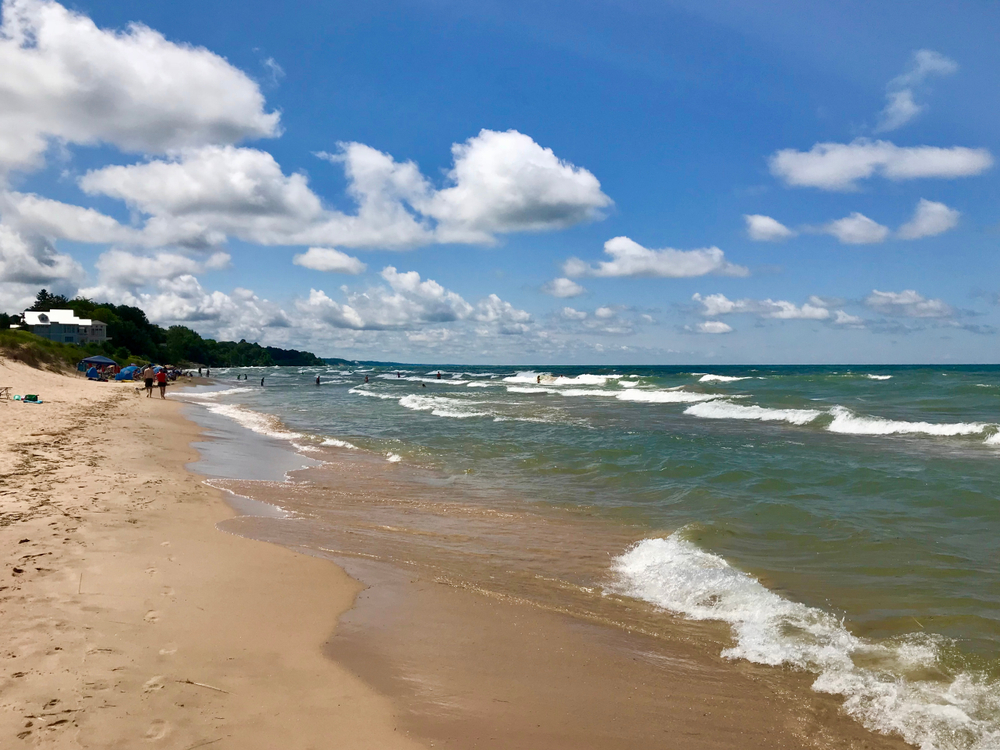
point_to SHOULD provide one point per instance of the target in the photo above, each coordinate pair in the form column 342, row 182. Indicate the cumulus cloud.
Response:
column 839, row 166
column 842, row 318
column 900, row 105
column 714, row 305
column 124, row 273
column 857, row 229
column 501, row 182
column 409, row 302
column 505, row 182
column 713, row 326
column 563, row 288
column 765, row 229
column 572, row 314
column 908, row 303
column 629, row 258
column 62, row 78
column 929, row 219
column 329, row 259
column 33, row 260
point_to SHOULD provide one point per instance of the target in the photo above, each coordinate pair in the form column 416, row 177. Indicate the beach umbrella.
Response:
column 97, row 359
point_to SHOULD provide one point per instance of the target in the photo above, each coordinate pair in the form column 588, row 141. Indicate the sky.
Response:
column 437, row 181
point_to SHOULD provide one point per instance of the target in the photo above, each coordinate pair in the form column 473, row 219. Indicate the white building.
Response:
column 65, row 327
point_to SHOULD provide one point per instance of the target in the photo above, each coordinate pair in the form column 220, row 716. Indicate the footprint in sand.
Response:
column 152, row 616
column 153, row 684
column 158, row 729
column 151, row 571
column 167, row 592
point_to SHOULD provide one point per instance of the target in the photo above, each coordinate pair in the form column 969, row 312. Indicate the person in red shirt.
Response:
column 161, row 380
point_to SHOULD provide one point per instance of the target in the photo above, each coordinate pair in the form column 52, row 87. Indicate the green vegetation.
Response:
column 132, row 338
column 33, row 350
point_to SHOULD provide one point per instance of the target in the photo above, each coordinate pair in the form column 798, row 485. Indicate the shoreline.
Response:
column 411, row 663
column 134, row 621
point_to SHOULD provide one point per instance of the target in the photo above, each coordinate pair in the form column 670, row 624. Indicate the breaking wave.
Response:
column 898, row 686
column 727, row 410
column 847, row 422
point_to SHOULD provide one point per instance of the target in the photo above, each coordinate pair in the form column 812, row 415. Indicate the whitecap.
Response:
column 847, row 422
column 729, row 410
column 709, row 378
column 334, row 443
column 670, row 396
column 878, row 377
column 393, row 458
column 442, row 406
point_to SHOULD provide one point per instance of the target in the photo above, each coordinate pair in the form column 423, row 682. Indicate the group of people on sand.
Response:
column 151, row 375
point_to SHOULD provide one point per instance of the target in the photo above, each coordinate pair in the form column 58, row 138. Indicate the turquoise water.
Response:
column 843, row 520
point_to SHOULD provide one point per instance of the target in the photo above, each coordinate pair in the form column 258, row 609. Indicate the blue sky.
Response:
column 756, row 183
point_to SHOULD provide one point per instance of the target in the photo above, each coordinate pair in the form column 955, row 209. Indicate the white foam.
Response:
column 547, row 379
column 664, row 397
column 709, row 378
column 393, row 458
column 263, row 424
column 477, row 384
column 729, row 410
column 364, row 392
column 879, row 377
column 847, row 422
column 210, row 395
column 993, row 439
column 333, row 442
column 891, row 694
column 442, row 406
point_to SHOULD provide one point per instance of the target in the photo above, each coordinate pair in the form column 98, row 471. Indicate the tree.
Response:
column 45, row 301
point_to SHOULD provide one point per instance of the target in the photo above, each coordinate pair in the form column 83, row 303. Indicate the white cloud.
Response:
column 929, row 219
column 32, row 260
column 765, row 229
column 632, row 259
column 714, row 326
column 329, row 259
column 838, row 166
column 409, row 302
column 571, row 314
column 503, row 182
column 842, row 318
column 900, row 106
column 34, row 214
column 563, row 288
column 62, row 78
column 857, row 229
column 908, row 303
column 122, row 272
column 714, row 305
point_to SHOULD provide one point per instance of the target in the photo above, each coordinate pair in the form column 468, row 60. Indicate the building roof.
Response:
column 62, row 317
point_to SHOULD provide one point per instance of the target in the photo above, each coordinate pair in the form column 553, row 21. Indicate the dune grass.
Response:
column 35, row 351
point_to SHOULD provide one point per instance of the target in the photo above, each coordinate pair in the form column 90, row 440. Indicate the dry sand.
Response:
column 128, row 619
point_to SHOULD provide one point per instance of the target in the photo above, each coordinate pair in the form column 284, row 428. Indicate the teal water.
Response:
column 843, row 520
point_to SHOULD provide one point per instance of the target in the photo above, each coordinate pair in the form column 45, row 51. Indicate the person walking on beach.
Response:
column 161, row 380
column 199, row 372
column 147, row 376
column 208, row 373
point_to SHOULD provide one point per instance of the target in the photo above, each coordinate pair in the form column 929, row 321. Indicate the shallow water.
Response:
column 843, row 521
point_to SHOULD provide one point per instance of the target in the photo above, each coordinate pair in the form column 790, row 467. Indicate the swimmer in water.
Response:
column 317, row 380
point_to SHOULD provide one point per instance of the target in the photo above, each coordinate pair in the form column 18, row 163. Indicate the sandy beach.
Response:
column 132, row 620
column 128, row 619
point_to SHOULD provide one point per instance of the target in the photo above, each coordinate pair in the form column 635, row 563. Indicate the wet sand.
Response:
column 132, row 620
